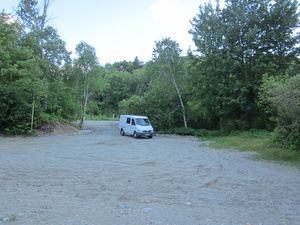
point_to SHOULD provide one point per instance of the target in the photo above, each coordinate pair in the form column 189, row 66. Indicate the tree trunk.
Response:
column 85, row 100
column 181, row 102
column 32, row 111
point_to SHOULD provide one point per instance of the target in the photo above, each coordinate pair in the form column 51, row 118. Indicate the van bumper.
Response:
column 144, row 134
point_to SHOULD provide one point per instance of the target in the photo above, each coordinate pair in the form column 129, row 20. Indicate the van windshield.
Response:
column 142, row 122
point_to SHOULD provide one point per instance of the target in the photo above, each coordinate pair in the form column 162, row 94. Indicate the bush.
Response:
column 101, row 117
column 283, row 96
column 50, row 118
column 195, row 132
column 287, row 139
column 16, row 129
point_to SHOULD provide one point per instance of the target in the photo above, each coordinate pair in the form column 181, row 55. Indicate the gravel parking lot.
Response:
column 101, row 177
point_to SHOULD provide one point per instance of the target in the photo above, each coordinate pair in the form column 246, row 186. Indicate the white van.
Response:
column 138, row 126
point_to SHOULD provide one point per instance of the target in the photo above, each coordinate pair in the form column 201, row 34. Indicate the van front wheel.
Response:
column 122, row 132
column 135, row 135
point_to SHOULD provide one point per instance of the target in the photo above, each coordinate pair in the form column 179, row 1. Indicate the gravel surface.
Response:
column 101, row 177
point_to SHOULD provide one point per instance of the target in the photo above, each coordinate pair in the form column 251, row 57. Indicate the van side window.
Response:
column 128, row 120
column 132, row 122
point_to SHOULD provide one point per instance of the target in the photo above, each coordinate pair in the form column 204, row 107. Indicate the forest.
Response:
column 243, row 75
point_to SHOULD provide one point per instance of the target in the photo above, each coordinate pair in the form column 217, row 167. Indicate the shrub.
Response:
column 283, row 96
column 287, row 139
column 195, row 132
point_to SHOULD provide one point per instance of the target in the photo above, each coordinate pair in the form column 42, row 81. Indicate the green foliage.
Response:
column 20, row 128
column 14, row 113
column 179, row 131
column 101, row 118
column 169, row 68
column 238, row 44
column 50, row 118
column 287, row 138
column 20, row 73
column 158, row 90
column 135, row 105
column 30, row 64
column 215, row 91
column 194, row 132
column 128, row 67
column 120, row 85
column 62, row 99
column 161, row 106
column 89, row 74
column 283, row 96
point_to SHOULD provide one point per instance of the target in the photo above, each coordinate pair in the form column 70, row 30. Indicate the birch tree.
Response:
column 89, row 74
column 170, row 65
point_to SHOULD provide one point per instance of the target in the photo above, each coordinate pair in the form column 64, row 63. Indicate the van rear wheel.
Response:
column 122, row 132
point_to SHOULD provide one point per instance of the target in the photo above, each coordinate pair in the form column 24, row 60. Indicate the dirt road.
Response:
column 105, row 178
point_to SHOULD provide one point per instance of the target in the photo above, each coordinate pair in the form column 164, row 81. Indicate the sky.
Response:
column 120, row 29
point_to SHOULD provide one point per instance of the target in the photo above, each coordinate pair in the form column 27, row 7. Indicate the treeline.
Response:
column 243, row 75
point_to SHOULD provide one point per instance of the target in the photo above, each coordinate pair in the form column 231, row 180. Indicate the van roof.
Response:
column 134, row 116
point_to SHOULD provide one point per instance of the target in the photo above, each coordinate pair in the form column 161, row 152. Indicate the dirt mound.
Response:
column 56, row 128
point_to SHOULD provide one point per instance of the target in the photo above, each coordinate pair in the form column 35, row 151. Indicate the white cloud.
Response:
column 168, row 13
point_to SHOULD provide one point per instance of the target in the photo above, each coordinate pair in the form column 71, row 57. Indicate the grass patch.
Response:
column 13, row 217
column 10, row 219
column 257, row 141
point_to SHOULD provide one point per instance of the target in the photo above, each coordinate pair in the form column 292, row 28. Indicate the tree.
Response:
column 161, row 103
column 137, row 64
column 283, row 96
column 169, row 65
column 119, row 88
column 121, row 84
column 19, row 73
column 210, row 71
column 89, row 74
column 45, row 42
column 31, row 86
column 237, row 45
column 135, row 105
column 41, row 38
column 35, row 18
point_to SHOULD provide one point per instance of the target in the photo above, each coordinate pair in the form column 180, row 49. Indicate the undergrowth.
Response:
column 101, row 117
